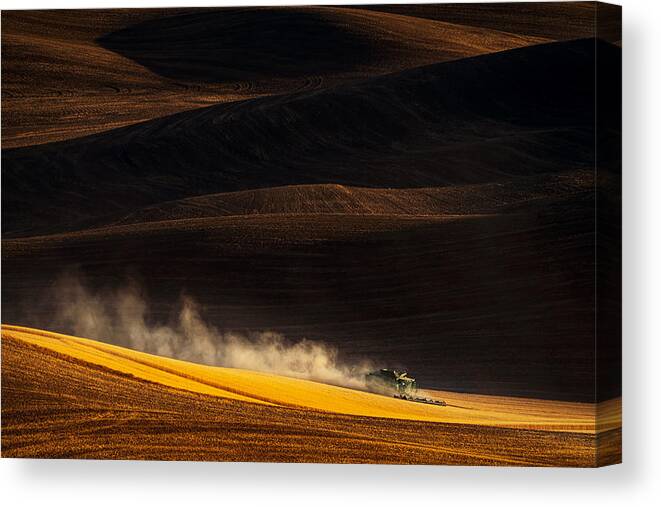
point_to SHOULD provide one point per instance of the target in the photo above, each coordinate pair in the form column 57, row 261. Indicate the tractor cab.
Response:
column 392, row 382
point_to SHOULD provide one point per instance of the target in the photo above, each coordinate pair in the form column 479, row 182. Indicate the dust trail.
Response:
column 120, row 316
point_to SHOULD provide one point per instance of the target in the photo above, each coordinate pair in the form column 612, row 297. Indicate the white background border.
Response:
column 636, row 482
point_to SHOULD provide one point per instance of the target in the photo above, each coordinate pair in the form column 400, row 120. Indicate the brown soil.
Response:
column 57, row 407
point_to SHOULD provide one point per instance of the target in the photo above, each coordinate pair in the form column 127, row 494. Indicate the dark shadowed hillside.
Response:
column 470, row 302
column 554, row 20
column 70, row 73
column 489, row 198
column 262, row 44
column 475, row 120
column 414, row 185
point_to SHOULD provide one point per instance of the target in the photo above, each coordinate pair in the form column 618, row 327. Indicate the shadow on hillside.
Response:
column 230, row 44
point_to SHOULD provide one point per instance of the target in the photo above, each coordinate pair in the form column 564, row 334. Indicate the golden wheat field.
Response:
column 65, row 396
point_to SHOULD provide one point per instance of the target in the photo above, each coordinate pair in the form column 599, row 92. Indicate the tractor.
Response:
column 397, row 384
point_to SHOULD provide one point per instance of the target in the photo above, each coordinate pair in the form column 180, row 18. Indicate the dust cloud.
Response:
column 121, row 316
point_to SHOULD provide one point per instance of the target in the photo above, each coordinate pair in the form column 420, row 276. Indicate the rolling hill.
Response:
column 553, row 20
column 343, row 200
column 95, row 70
column 425, row 292
column 150, row 407
column 475, row 120
column 441, row 218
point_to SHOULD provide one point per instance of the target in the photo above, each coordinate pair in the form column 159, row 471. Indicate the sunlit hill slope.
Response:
column 85, row 376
